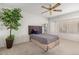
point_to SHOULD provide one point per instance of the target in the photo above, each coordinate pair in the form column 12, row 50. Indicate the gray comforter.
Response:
column 44, row 38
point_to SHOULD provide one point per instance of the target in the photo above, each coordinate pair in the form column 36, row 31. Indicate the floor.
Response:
column 66, row 47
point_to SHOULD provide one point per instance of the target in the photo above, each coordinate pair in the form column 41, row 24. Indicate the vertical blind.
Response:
column 68, row 27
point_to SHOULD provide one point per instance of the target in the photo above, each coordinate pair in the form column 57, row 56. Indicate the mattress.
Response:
column 44, row 38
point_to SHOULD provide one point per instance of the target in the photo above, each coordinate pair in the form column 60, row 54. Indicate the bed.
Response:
column 45, row 41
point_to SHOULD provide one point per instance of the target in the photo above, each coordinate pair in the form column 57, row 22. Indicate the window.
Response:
column 68, row 27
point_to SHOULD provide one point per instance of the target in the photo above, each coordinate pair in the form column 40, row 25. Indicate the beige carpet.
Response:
column 65, row 47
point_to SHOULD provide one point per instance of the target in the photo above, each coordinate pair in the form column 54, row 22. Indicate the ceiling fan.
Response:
column 51, row 8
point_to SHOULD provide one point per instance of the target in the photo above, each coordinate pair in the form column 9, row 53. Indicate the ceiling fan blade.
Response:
column 50, row 5
column 44, row 12
column 58, row 4
column 57, row 10
column 44, row 7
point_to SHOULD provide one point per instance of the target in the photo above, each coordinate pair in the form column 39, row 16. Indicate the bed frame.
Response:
column 45, row 47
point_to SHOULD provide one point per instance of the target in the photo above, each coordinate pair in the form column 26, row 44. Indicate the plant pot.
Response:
column 9, row 42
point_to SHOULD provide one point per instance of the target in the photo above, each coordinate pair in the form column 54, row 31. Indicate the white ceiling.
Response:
column 35, row 8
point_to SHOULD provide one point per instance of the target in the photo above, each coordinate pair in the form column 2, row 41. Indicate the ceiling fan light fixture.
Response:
column 51, row 8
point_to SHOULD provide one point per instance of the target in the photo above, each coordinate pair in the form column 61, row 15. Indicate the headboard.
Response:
column 38, row 29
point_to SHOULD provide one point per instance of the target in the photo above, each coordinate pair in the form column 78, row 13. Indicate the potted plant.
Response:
column 11, row 18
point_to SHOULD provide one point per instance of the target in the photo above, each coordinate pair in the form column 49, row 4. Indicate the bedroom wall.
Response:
column 63, row 18
column 66, row 16
column 22, row 34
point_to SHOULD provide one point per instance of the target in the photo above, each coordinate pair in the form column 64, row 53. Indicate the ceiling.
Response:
column 35, row 8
